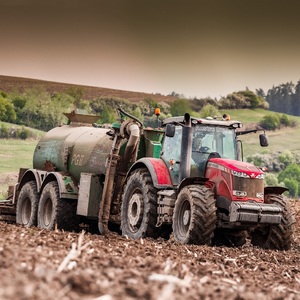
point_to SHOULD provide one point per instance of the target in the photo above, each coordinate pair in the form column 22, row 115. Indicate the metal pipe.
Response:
column 186, row 148
column 115, row 176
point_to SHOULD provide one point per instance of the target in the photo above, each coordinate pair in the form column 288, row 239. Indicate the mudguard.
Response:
column 158, row 170
column 67, row 188
column 30, row 175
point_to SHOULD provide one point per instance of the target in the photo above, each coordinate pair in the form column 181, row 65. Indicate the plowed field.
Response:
column 39, row 264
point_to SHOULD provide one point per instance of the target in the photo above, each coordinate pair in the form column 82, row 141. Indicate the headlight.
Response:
column 240, row 174
column 239, row 193
column 260, row 176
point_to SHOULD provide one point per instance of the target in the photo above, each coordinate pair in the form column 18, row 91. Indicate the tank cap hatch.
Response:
column 81, row 116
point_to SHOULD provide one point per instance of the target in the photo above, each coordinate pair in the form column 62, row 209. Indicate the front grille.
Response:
column 252, row 186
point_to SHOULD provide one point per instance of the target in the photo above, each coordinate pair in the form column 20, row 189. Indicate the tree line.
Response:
column 284, row 98
column 40, row 109
column 43, row 110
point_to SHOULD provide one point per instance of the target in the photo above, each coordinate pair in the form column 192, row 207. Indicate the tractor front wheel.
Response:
column 139, row 206
column 194, row 219
column 279, row 236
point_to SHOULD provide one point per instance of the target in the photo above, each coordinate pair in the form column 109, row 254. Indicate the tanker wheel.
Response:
column 194, row 219
column 139, row 206
column 27, row 205
column 277, row 236
column 55, row 211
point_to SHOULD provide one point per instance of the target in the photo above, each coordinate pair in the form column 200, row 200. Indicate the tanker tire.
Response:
column 27, row 205
column 55, row 212
column 279, row 236
column 194, row 219
column 139, row 206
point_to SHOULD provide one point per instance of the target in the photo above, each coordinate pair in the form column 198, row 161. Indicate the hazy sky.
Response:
column 194, row 47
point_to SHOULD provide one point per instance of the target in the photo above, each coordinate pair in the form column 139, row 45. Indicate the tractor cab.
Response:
column 209, row 138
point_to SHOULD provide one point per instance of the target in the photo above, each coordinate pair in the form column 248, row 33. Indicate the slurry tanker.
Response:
column 185, row 177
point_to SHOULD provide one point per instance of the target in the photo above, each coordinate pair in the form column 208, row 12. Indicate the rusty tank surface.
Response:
column 74, row 148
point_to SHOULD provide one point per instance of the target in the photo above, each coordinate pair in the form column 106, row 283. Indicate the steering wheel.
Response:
column 204, row 149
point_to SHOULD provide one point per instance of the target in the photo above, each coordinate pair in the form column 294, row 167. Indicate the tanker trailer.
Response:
column 78, row 169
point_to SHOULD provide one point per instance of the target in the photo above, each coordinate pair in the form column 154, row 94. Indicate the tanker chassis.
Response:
column 186, row 177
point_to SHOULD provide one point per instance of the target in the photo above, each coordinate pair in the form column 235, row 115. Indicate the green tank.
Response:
column 73, row 149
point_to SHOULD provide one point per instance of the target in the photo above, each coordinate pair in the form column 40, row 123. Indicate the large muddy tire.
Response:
column 277, row 236
column 194, row 219
column 56, row 212
column 139, row 206
column 27, row 205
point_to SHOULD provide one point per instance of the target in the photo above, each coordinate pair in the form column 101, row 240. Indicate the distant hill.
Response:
column 9, row 83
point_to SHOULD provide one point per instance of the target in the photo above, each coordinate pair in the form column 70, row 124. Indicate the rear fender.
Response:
column 275, row 190
column 158, row 170
column 33, row 175
column 68, row 188
column 192, row 181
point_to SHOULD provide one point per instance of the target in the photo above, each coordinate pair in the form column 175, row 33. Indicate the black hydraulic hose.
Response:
column 130, row 116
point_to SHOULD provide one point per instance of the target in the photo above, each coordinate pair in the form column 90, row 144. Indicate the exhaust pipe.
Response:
column 186, row 148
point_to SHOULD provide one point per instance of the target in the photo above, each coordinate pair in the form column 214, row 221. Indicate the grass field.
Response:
column 14, row 154
column 279, row 140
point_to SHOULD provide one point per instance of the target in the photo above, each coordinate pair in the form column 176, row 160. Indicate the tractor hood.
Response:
column 236, row 168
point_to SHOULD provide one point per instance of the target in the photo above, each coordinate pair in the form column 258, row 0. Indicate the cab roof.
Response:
column 205, row 121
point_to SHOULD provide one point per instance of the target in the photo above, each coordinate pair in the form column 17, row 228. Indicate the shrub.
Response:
column 270, row 122
column 271, row 179
column 4, row 132
column 292, row 185
column 274, row 162
column 22, row 133
column 209, row 111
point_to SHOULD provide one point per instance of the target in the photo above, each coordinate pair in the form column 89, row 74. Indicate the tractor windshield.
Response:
column 207, row 139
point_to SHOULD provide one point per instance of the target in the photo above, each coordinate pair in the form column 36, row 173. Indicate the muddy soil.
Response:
column 40, row 264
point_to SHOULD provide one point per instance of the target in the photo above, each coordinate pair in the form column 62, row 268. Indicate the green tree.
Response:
column 108, row 115
column 292, row 171
column 7, row 111
column 209, row 111
column 292, row 185
column 76, row 93
column 243, row 99
column 138, row 114
column 271, row 179
column 291, row 178
column 179, row 107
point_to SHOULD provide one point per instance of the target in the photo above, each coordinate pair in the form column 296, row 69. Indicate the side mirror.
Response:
column 170, row 130
column 263, row 139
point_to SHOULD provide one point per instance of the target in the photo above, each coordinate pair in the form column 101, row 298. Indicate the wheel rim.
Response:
column 26, row 211
column 47, row 216
column 135, row 211
column 184, row 218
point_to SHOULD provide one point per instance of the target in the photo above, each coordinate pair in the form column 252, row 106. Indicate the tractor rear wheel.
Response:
column 55, row 211
column 277, row 236
column 27, row 205
column 139, row 206
column 194, row 219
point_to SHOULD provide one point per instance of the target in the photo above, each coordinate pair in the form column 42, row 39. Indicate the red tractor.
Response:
column 201, row 186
